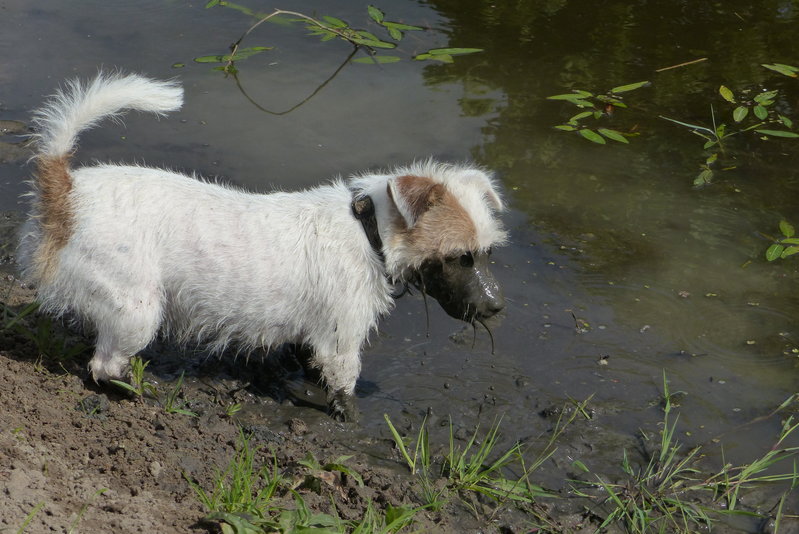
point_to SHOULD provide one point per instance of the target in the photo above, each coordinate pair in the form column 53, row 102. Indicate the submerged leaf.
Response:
column 787, row 70
column 629, row 87
column 703, row 178
column 377, row 59
column 778, row 133
column 565, row 127
column 766, row 98
column 453, row 51
column 740, row 113
column 726, row 94
column 592, row 136
column 786, row 121
column 760, row 112
column 787, row 228
column 613, row 134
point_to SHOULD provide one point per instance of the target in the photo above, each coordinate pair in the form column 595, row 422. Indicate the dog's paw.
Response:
column 341, row 407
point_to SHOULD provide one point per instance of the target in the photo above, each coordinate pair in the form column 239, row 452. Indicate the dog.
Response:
column 134, row 251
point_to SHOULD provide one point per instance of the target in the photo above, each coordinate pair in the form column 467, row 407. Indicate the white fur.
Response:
column 152, row 249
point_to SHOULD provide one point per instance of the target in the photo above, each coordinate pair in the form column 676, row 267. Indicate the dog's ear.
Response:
column 413, row 196
column 484, row 183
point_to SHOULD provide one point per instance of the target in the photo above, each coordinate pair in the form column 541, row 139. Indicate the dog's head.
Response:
column 440, row 236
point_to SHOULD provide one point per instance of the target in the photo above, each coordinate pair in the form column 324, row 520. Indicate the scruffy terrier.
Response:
column 133, row 250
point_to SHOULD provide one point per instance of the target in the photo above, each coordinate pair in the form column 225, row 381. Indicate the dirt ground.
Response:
column 75, row 457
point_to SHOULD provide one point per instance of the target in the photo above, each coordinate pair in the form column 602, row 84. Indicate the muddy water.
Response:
column 618, row 269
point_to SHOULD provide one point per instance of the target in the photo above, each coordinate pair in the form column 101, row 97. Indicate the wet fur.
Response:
column 134, row 250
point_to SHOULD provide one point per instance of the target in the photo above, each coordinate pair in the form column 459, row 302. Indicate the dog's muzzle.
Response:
column 463, row 286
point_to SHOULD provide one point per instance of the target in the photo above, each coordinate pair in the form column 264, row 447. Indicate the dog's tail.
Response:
column 79, row 107
column 70, row 111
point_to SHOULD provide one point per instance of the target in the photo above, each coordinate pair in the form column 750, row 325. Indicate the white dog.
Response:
column 132, row 250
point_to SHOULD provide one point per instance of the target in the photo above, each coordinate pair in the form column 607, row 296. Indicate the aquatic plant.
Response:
column 329, row 28
column 597, row 106
column 785, row 246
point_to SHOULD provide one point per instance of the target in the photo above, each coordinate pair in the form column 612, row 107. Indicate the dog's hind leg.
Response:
column 122, row 334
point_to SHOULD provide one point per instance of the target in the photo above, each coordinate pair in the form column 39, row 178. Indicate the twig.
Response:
column 235, row 46
column 701, row 59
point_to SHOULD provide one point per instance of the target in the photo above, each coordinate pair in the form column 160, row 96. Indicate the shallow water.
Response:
column 668, row 278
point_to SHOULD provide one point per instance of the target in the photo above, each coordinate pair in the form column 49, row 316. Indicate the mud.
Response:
column 76, row 457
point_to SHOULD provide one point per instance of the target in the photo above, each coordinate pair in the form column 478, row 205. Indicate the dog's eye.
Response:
column 466, row 260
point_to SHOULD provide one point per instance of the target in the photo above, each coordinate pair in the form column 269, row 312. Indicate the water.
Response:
column 666, row 277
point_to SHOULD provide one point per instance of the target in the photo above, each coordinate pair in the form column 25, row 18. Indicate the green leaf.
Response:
column 613, row 134
column 787, row 70
column 377, row 59
column 786, row 121
column 565, row 96
column 334, row 22
column 394, row 33
column 712, row 158
column 760, row 112
column 213, row 3
column 778, row 133
column 592, row 136
column 403, row 27
column 241, row 53
column 441, row 57
column 565, row 127
column 766, row 96
column 581, row 115
column 789, row 241
column 453, row 51
column 740, row 113
column 790, row 251
column 581, row 466
column 787, row 229
column 726, row 94
column 703, row 178
column 375, row 13
column 629, row 87
column 374, row 44
column 774, row 252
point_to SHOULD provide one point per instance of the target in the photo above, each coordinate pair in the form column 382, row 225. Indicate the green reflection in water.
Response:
column 688, row 261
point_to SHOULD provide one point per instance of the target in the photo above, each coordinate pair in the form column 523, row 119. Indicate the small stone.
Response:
column 155, row 468
column 297, row 426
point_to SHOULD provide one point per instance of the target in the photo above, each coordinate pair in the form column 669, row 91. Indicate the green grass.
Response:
column 41, row 331
column 670, row 493
column 478, row 469
column 247, row 499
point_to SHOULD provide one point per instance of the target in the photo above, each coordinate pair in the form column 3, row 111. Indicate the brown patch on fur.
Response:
column 55, row 215
column 420, row 193
column 443, row 227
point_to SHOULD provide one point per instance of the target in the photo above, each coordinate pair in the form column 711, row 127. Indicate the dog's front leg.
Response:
column 341, row 406
column 339, row 371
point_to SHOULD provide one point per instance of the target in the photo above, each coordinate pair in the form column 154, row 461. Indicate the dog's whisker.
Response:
column 490, row 335
column 474, row 334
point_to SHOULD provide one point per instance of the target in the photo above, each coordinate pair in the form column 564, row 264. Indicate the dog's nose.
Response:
column 491, row 306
